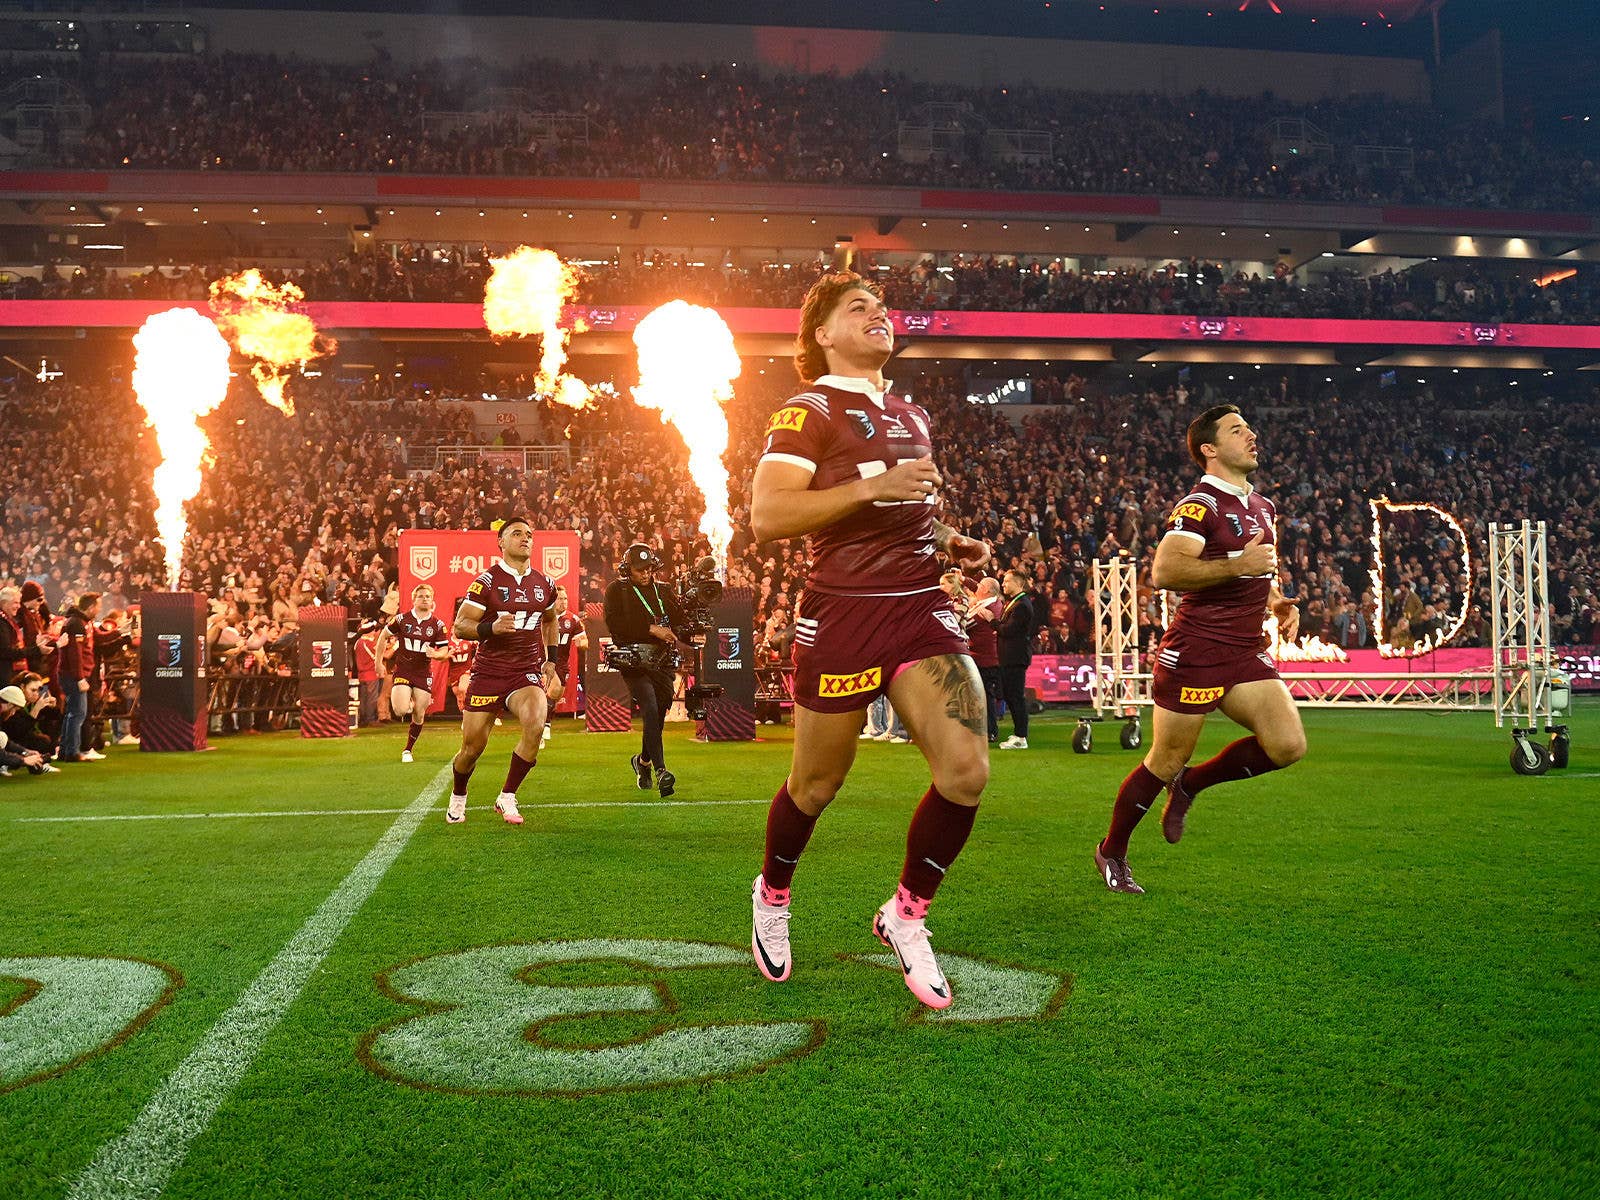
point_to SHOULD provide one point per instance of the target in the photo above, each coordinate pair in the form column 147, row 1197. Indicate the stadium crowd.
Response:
column 1463, row 290
column 261, row 113
column 309, row 509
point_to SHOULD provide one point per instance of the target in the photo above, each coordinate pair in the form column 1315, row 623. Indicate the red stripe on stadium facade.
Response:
column 953, row 326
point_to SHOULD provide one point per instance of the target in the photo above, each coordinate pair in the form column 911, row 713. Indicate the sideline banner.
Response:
column 449, row 559
column 324, row 672
column 610, row 703
column 174, row 705
column 729, row 659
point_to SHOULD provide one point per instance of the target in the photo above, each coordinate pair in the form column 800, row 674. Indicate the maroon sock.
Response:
column 413, row 734
column 788, row 831
column 461, row 777
column 1134, row 798
column 517, row 772
column 1243, row 759
column 938, row 831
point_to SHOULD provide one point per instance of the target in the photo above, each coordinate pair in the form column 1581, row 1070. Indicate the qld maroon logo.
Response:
column 728, row 643
column 170, row 646
column 321, row 654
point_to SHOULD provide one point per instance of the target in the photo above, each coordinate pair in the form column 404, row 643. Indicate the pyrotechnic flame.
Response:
column 180, row 373
column 1379, row 593
column 687, row 365
column 257, row 319
column 1310, row 649
column 526, row 292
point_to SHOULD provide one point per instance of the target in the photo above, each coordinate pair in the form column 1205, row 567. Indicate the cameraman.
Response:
column 640, row 612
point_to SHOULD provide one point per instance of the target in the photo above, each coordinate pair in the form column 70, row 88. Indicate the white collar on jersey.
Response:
column 507, row 567
column 1225, row 486
column 854, row 383
column 418, row 616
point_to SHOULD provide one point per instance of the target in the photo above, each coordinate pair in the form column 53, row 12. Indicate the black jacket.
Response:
column 13, row 645
column 628, row 619
column 1015, row 631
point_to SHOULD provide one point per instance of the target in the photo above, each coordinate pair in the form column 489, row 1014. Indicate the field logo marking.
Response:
column 140, row 1161
column 486, row 1029
column 73, row 1008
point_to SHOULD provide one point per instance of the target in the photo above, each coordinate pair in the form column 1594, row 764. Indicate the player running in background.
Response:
column 1220, row 551
column 509, row 611
column 460, row 673
column 849, row 465
column 569, row 635
column 420, row 637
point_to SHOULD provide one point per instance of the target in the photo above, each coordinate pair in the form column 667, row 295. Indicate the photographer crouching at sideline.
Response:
column 641, row 615
column 21, row 742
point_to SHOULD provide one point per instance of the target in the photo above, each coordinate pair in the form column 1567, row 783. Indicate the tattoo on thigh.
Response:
column 963, row 690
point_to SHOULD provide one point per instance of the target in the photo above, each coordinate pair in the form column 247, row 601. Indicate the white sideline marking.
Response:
column 140, row 1161
column 365, row 812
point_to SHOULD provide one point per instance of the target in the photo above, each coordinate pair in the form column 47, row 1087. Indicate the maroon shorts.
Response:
column 423, row 683
column 490, row 693
column 847, row 649
column 1192, row 676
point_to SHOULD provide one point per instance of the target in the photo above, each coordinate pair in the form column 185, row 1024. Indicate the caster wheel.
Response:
column 1082, row 739
column 1529, row 758
column 1130, row 737
column 1558, row 750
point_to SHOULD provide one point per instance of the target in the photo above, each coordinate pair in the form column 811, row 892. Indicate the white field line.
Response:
column 366, row 812
column 139, row 1162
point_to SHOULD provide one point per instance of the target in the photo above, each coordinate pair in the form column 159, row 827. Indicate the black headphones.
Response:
column 638, row 555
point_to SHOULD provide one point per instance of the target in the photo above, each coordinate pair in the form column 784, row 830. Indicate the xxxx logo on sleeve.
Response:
column 1194, row 695
column 850, row 685
column 793, row 417
column 1192, row 510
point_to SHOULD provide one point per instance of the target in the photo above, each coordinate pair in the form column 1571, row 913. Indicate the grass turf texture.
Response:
column 1373, row 975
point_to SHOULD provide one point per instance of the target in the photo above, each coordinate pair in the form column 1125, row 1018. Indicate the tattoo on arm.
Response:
column 963, row 694
column 942, row 534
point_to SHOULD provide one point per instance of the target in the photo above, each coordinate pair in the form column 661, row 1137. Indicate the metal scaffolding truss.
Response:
column 1519, row 591
column 1120, row 686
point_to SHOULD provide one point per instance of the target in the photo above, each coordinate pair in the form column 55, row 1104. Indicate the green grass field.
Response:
column 1377, row 974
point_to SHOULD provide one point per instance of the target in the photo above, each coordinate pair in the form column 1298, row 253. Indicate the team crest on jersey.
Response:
column 861, row 419
column 1238, row 525
column 949, row 620
column 793, row 417
column 424, row 561
column 505, row 594
column 1190, row 510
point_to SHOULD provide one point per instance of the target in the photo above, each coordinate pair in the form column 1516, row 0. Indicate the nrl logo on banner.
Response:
column 424, row 561
column 555, row 561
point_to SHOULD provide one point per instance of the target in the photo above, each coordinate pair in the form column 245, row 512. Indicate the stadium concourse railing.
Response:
column 519, row 458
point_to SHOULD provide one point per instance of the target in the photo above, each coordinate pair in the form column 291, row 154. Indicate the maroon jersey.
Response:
column 461, row 652
column 1223, row 519
column 416, row 635
column 842, row 430
column 567, row 628
column 525, row 597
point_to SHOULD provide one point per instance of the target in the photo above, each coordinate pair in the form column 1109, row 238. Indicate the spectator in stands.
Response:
column 13, row 638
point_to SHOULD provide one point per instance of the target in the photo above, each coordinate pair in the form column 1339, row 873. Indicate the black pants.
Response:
column 652, row 692
column 1012, row 687
column 991, row 698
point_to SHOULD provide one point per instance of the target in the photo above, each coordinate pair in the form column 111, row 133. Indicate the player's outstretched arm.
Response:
column 1178, row 564
column 783, row 505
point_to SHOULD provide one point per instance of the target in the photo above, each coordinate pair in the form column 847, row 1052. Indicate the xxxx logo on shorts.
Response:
column 850, row 685
column 1191, row 695
column 793, row 417
column 482, row 701
column 1192, row 510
